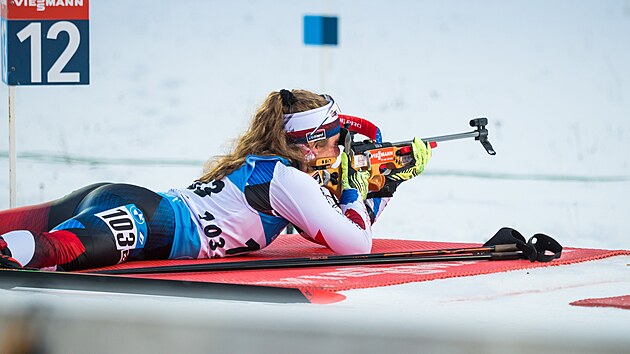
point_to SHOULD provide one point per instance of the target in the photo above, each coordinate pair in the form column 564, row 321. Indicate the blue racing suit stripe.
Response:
column 186, row 241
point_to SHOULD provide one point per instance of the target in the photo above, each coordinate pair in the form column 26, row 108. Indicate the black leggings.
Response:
column 98, row 225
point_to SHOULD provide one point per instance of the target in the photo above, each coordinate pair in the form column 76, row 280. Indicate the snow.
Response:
column 175, row 81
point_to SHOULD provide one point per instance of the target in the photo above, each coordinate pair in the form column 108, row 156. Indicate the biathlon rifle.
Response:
column 380, row 158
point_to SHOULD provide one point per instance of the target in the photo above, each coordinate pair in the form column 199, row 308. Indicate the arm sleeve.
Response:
column 345, row 229
column 375, row 207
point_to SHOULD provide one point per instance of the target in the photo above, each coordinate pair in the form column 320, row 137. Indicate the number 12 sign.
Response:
column 45, row 42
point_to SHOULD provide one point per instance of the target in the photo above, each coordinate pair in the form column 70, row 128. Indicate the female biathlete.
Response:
column 241, row 204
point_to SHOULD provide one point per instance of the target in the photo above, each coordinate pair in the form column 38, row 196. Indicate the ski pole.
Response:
column 506, row 244
column 508, row 251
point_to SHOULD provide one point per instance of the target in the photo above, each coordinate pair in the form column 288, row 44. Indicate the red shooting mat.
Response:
column 338, row 278
column 622, row 302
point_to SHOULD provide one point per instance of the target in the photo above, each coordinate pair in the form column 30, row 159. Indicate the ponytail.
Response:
column 265, row 135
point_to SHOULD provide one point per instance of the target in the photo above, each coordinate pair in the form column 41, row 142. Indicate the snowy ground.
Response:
column 172, row 82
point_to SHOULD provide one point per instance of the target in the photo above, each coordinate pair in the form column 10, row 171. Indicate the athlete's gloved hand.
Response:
column 353, row 179
column 421, row 155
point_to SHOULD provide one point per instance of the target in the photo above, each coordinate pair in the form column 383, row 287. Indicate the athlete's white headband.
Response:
column 315, row 124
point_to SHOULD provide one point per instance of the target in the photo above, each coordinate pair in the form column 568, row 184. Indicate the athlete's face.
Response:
column 325, row 148
column 320, row 149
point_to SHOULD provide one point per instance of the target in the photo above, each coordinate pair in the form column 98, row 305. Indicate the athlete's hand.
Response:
column 421, row 155
column 353, row 179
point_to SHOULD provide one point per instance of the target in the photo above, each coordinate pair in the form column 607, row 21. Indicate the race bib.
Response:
column 128, row 226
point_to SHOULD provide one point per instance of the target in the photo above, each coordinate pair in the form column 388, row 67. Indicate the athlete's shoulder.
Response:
column 288, row 174
column 275, row 166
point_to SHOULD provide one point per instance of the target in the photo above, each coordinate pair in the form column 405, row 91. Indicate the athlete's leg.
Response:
column 66, row 207
column 20, row 227
column 148, row 209
column 114, row 223
column 44, row 216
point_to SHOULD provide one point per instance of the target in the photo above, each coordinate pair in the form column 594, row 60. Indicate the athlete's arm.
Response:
column 375, row 207
column 298, row 198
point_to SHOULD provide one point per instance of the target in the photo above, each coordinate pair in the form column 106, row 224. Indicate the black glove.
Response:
column 6, row 259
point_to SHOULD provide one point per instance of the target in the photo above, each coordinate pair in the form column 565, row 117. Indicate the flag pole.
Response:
column 12, row 149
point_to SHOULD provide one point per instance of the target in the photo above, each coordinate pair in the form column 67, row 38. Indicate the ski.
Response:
column 13, row 278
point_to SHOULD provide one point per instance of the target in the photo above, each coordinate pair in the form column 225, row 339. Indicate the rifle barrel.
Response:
column 436, row 139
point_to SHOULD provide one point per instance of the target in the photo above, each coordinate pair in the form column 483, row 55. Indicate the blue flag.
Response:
column 321, row 30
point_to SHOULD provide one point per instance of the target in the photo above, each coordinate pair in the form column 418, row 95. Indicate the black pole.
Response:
column 445, row 255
